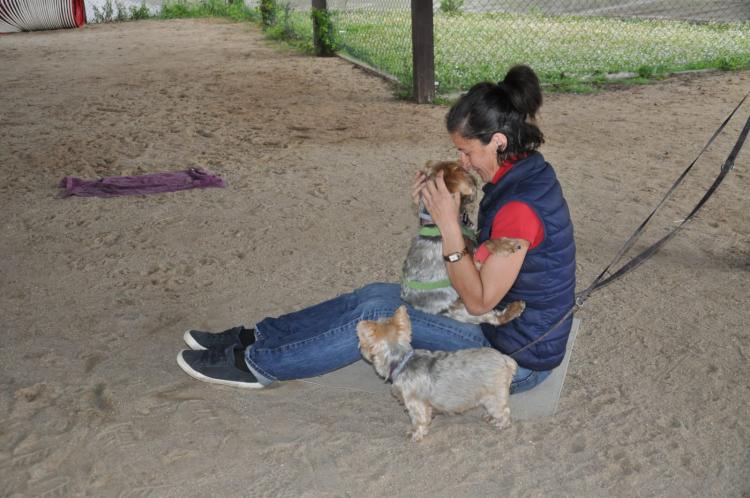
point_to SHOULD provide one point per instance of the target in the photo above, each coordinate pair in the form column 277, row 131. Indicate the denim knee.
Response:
column 526, row 379
column 380, row 290
column 380, row 297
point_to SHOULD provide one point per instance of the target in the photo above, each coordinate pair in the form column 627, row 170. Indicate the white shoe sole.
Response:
column 192, row 344
column 197, row 375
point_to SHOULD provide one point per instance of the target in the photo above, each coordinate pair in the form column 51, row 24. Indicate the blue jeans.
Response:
column 323, row 338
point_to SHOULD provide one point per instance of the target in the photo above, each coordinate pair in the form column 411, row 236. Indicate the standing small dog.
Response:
column 424, row 381
column 425, row 284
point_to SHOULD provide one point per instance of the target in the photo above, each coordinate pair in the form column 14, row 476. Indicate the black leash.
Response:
column 600, row 281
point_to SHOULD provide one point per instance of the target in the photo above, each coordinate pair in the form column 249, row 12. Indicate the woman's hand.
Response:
column 443, row 206
column 420, row 180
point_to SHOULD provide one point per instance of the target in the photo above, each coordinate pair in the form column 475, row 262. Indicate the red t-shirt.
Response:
column 516, row 220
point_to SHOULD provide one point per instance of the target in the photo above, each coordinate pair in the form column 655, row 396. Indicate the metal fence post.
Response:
column 423, row 51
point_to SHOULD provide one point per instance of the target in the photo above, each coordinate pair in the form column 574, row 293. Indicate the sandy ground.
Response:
column 318, row 158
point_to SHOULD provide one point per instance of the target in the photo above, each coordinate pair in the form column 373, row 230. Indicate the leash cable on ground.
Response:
column 600, row 281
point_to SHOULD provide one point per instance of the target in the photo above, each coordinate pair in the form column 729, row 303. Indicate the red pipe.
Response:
column 79, row 13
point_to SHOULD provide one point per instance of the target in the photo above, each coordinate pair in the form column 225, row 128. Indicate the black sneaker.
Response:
column 236, row 336
column 217, row 366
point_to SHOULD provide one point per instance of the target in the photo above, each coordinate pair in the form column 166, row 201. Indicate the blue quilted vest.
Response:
column 546, row 281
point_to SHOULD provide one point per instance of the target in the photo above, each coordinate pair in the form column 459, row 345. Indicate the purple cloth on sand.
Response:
column 151, row 183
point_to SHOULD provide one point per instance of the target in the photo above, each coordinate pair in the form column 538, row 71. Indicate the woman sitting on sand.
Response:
column 493, row 128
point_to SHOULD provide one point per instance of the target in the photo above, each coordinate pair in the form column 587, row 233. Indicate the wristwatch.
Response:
column 455, row 256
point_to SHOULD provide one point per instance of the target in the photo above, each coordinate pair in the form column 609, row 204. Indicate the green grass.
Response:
column 208, row 8
column 294, row 27
column 117, row 12
column 381, row 39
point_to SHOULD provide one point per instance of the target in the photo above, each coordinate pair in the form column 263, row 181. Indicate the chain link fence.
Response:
column 377, row 32
column 567, row 42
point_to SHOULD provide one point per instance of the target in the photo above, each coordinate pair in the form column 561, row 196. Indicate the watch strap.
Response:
column 455, row 256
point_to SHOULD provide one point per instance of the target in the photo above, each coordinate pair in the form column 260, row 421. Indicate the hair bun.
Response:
column 522, row 86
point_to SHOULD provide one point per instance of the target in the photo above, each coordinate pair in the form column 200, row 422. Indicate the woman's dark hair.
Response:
column 508, row 107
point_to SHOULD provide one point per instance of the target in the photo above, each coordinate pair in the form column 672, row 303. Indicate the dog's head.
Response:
column 456, row 179
column 384, row 342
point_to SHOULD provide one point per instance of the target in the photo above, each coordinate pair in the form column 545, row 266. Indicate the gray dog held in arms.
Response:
column 424, row 381
column 425, row 284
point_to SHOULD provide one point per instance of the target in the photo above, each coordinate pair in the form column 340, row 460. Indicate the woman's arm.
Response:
column 479, row 290
column 482, row 290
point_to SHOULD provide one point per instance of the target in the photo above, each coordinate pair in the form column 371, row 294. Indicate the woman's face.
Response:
column 478, row 157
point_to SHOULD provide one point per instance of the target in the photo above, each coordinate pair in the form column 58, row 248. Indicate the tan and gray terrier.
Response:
column 426, row 381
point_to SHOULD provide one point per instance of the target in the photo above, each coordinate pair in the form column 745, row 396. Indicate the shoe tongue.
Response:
column 247, row 337
column 239, row 359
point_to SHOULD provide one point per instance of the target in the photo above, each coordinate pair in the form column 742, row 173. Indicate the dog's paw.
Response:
column 504, row 246
column 511, row 312
column 418, row 434
column 515, row 309
column 499, row 423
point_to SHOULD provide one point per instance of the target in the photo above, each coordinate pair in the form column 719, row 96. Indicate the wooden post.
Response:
column 322, row 29
column 423, row 51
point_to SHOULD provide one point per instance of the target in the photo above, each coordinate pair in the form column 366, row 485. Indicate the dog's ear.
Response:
column 366, row 335
column 365, row 332
column 462, row 181
column 403, row 324
column 456, row 179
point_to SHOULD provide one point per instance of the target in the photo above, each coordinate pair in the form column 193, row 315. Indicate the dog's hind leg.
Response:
column 498, row 411
column 511, row 312
column 458, row 311
column 498, row 408
column 497, row 398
